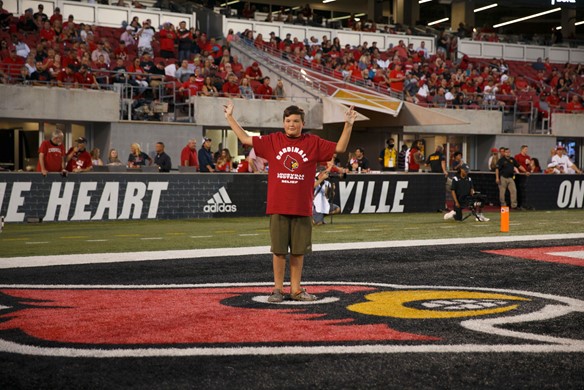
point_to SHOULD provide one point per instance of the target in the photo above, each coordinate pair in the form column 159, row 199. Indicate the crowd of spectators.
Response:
column 39, row 49
column 439, row 80
column 80, row 55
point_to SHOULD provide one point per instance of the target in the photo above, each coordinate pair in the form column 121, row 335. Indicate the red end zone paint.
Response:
column 544, row 254
column 181, row 316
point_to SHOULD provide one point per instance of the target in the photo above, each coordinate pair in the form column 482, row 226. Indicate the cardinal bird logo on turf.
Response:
column 291, row 163
column 237, row 319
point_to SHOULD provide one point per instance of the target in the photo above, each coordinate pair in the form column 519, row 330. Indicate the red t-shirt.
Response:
column 253, row 73
column 54, row 155
column 81, row 160
column 396, row 85
column 189, row 155
column 572, row 106
column 292, row 163
column 49, row 34
column 237, row 67
column 192, row 86
column 66, row 78
column 230, row 89
column 413, row 166
column 265, row 92
column 84, row 79
column 523, row 161
column 54, row 17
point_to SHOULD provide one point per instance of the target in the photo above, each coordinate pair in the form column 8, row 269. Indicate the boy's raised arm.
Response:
column 343, row 142
column 237, row 129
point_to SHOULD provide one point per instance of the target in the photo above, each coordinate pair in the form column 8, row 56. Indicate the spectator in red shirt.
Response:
column 254, row 72
column 553, row 100
column 139, row 78
column 575, row 105
column 12, row 64
column 396, row 78
column 231, row 87
column 66, row 77
column 71, row 60
column 70, row 23
column 167, row 38
column 523, row 158
column 401, row 50
column 189, row 156
column 48, row 33
column 52, row 154
column 122, row 51
column 189, row 88
column 521, row 84
column 264, row 90
column 85, row 79
column 56, row 16
column 78, row 158
column 203, row 44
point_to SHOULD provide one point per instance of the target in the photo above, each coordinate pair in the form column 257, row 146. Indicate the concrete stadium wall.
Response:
column 58, row 104
column 480, row 122
column 254, row 113
column 120, row 135
column 568, row 125
column 539, row 147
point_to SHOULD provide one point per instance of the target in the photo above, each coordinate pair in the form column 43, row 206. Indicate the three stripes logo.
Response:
column 220, row 203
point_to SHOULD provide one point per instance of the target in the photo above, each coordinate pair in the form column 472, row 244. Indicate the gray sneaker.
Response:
column 276, row 296
column 302, row 295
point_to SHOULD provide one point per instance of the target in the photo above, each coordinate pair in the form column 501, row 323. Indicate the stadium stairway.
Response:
column 306, row 83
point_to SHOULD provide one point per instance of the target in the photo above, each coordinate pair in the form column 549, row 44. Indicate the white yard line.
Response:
column 44, row 261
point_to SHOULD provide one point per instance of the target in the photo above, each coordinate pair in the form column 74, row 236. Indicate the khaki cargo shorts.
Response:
column 290, row 234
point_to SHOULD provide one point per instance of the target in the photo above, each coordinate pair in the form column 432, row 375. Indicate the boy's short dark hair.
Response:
column 457, row 153
column 294, row 110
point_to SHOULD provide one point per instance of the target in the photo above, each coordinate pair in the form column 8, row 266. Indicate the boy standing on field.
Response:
column 292, row 158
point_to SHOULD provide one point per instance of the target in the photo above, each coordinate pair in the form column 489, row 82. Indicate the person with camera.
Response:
column 145, row 37
column 462, row 193
column 323, row 190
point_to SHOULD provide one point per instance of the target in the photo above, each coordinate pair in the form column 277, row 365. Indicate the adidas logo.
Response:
column 220, row 203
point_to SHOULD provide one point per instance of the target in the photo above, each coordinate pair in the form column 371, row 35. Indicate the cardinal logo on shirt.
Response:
column 291, row 163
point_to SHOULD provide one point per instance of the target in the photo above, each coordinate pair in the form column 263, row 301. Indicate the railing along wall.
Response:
column 353, row 38
column 514, row 52
column 100, row 15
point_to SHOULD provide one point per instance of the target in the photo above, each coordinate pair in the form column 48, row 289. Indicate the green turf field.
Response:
column 129, row 236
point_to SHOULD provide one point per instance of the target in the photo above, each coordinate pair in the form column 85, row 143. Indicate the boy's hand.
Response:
column 228, row 109
column 350, row 115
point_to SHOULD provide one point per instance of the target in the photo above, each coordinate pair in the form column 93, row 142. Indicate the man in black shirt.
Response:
column 462, row 192
column 401, row 158
column 185, row 41
column 40, row 14
column 162, row 159
column 504, row 175
column 156, row 78
column 206, row 163
column 437, row 161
